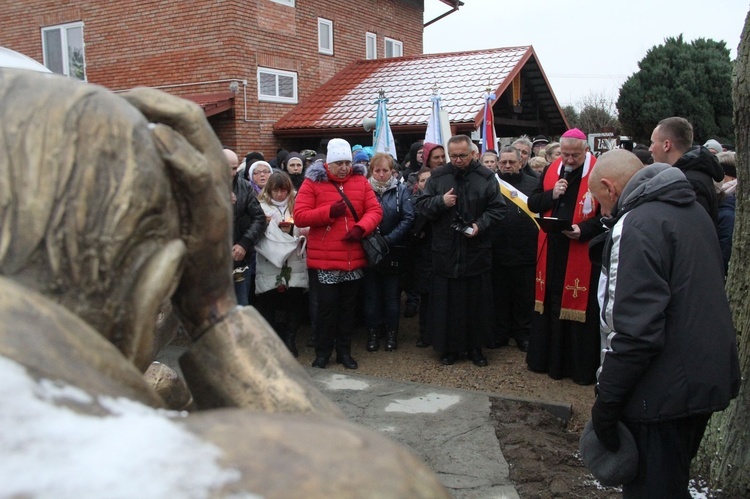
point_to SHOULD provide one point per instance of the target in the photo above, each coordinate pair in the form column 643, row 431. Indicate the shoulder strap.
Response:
column 348, row 203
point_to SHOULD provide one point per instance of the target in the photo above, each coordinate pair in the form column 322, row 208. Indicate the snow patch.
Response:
column 136, row 451
column 341, row 382
column 428, row 404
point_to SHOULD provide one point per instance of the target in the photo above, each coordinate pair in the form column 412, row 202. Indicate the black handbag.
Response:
column 375, row 246
column 393, row 262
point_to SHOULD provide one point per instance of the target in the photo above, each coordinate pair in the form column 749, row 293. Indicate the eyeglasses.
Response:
column 455, row 157
column 508, row 162
column 262, row 172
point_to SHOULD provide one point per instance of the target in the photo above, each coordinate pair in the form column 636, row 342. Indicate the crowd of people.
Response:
column 589, row 268
column 497, row 280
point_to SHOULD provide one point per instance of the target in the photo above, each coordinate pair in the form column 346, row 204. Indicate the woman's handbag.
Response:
column 375, row 246
column 276, row 246
column 392, row 263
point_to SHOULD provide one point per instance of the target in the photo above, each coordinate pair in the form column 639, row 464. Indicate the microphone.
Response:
column 567, row 171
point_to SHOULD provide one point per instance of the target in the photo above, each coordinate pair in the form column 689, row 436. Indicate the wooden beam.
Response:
column 524, row 123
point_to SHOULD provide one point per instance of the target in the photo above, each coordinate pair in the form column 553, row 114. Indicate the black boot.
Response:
column 320, row 362
column 391, row 343
column 312, row 339
column 373, row 344
column 290, row 340
column 476, row 357
column 343, row 357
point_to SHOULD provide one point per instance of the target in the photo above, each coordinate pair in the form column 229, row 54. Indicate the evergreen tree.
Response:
column 692, row 80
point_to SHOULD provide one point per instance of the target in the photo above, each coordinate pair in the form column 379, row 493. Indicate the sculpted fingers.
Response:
column 202, row 188
column 188, row 164
column 182, row 115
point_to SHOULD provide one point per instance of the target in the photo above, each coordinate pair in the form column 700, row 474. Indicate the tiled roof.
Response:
column 461, row 78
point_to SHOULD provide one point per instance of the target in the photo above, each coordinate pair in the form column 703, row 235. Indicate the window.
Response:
column 63, row 50
column 290, row 3
column 275, row 85
column 325, row 36
column 371, row 46
column 393, row 48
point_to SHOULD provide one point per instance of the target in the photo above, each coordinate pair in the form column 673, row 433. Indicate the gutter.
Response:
column 455, row 4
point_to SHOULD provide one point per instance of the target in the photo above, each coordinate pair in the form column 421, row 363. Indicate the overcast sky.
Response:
column 589, row 48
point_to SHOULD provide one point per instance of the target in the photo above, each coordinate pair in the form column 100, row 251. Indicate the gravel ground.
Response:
column 506, row 373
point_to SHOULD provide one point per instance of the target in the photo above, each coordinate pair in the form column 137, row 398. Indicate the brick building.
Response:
column 246, row 62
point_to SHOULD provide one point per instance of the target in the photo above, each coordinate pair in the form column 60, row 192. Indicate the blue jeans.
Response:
column 382, row 296
column 242, row 289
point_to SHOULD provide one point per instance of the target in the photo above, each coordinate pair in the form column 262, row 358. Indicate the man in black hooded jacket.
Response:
column 248, row 227
column 672, row 143
column 669, row 349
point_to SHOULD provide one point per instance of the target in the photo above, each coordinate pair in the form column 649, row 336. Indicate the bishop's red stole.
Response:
column 575, row 291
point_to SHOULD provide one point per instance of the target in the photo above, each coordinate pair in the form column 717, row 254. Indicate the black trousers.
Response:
column 334, row 323
column 664, row 453
column 282, row 310
column 513, row 295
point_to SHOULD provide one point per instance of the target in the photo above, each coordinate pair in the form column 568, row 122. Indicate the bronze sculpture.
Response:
column 112, row 204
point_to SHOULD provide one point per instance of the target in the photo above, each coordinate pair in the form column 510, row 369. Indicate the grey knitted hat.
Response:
column 610, row 468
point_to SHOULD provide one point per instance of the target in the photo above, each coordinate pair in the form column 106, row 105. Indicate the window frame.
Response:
column 394, row 43
column 64, row 47
column 277, row 98
column 288, row 3
column 329, row 23
column 371, row 38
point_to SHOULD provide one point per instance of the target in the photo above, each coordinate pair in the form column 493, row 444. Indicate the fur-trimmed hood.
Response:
column 317, row 171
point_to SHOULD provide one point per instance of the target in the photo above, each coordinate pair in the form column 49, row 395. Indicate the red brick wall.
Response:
column 179, row 46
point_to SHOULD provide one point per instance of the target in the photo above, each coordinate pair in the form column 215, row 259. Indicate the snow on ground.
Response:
column 52, row 450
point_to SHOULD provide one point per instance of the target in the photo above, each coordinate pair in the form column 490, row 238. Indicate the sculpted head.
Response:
column 88, row 215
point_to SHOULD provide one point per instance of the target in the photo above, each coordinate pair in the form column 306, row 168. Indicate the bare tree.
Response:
column 724, row 458
column 593, row 113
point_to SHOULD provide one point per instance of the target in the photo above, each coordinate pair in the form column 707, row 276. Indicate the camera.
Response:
column 461, row 225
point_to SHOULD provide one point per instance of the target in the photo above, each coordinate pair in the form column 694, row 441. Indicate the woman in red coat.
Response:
column 335, row 258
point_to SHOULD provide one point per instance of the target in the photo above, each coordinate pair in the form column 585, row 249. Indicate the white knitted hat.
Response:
column 338, row 150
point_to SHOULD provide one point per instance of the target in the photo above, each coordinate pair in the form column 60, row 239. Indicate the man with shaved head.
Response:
column 669, row 351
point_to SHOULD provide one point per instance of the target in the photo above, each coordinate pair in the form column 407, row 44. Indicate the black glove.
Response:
column 337, row 209
column 604, row 417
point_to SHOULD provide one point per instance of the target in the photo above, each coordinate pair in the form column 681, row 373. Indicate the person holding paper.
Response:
column 564, row 339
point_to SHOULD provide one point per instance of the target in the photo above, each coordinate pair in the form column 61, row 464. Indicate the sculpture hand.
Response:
column 202, row 188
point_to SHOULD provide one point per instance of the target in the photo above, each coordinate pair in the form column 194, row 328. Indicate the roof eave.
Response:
column 352, row 130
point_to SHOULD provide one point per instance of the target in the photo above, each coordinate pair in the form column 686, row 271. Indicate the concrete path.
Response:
column 449, row 429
